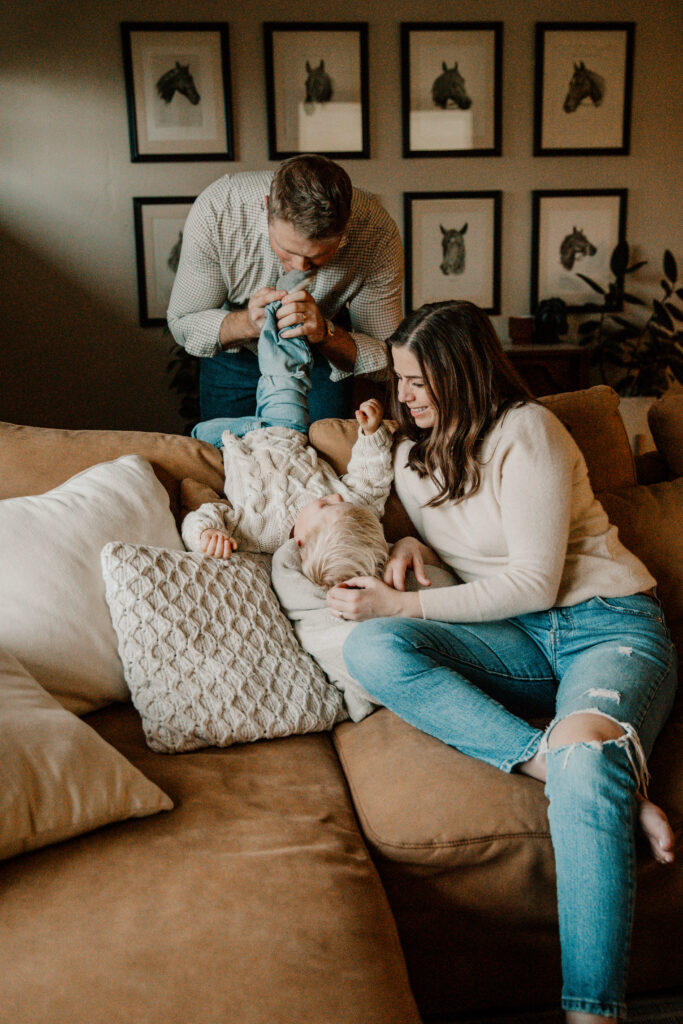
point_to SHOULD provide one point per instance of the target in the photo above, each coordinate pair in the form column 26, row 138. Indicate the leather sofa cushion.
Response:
column 254, row 901
column 465, row 856
column 35, row 459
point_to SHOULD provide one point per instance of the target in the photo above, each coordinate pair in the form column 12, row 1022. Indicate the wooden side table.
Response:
column 549, row 369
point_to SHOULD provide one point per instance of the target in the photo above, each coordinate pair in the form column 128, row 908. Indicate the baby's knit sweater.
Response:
column 272, row 473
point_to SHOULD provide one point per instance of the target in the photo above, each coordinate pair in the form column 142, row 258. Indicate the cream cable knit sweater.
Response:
column 270, row 474
column 533, row 536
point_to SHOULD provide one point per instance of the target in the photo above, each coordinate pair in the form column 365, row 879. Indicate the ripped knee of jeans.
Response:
column 628, row 740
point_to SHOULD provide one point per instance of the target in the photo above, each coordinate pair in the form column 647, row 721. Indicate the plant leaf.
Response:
column 632, row 330
column 679, row 293
column 636, row 266
column 593, row 284
column 633, row 299
column 619, row 259
column 670, row 267
column 661, row 315
column 674, row 310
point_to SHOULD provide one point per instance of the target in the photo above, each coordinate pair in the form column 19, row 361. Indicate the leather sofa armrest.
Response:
column 193, row 494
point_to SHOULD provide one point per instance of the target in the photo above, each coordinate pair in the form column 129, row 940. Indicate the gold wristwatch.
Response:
column 330, row 329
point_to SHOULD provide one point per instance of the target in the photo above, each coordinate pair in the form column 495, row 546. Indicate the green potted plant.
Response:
column 643, row 358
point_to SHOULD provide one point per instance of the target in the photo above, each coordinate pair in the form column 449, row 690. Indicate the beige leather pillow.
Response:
column 53, row 615
column 665, row 419
column 58, row 778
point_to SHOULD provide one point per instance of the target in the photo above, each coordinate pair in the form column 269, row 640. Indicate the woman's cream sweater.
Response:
column 533, row 535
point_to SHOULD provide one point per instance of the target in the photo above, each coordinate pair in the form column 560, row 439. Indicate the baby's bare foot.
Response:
column 655, row 824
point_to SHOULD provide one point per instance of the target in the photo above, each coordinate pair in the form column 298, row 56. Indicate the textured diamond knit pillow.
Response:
column 208, row 655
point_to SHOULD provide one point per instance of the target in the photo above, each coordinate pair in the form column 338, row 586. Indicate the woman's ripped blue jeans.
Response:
column 474, row 685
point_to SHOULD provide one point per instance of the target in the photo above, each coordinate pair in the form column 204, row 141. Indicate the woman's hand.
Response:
column 365, row 597
column 217, row 544
column 409, row 553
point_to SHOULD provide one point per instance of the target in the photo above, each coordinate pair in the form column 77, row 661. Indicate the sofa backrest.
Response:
column 35, row 459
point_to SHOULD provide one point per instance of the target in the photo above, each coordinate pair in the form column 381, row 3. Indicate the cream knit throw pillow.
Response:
column 208, row 655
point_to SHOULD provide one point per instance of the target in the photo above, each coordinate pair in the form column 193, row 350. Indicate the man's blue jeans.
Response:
column 228, row 383
column 473, row 685
column 282, row 391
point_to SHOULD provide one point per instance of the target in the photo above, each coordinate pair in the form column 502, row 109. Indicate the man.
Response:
column 242, row 232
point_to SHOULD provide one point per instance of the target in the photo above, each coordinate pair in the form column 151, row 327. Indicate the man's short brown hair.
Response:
column 313, row 194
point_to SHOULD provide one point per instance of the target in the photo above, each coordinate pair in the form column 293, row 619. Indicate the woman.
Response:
column 553, row 617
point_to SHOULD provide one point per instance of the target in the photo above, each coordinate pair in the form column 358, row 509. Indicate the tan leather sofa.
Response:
column 328, row 879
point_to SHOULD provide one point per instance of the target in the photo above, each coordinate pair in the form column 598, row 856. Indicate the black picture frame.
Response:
column 559, row 255
column 185, row 112
column 157, row 250
column 474, row 273
column 470, row 121
column 583, row 72
column 307, row 65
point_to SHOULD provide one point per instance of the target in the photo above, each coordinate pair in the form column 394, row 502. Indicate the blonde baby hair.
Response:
column 353, row 544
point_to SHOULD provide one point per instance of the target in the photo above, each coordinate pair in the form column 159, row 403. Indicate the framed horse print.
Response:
column 159, row 225
column 574, row 233
column 451, row 88
column 317, row 88
column 452, row 246
column 178, row 90
column 583, row 88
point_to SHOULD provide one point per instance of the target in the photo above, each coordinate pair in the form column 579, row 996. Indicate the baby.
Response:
column 318, row 630
column 279, row 487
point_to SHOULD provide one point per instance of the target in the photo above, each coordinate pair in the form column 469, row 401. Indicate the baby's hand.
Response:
column 369, row 415
column 217, row 544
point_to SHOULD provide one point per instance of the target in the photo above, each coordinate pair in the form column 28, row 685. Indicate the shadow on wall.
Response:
column 66, row 360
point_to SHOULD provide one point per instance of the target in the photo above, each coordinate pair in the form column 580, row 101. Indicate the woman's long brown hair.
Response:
column 471, row 383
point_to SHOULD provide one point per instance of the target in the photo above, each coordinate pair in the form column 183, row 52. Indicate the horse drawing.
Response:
column 174, row 255
column 453, row 245
column 574, row 247
column 178, row 79
column 318, row 84
column 449, row 87
column 584, row 84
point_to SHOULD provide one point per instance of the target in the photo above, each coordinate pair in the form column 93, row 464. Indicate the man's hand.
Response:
column 365, row 597
column 299, row 311
column 242, row 325
column 369, row 415
column 257, row 307
column 217, row 543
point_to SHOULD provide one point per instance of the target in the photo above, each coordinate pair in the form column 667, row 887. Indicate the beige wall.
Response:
column 72, row 353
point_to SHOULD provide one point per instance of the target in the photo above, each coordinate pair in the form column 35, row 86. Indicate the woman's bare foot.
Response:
column 655, row 824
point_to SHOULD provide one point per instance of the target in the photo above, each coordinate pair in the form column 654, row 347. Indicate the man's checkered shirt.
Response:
column 226, row 257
